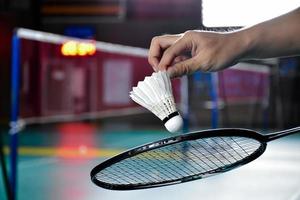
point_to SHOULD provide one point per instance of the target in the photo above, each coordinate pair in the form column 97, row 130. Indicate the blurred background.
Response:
column 77, row 60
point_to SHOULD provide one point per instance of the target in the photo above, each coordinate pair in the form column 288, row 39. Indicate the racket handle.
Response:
column 279, row 134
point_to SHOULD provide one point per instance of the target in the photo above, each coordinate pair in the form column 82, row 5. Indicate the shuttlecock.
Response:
column 155, row 94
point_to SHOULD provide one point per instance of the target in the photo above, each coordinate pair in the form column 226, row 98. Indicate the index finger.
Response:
column 157, row 47
column 177, row 49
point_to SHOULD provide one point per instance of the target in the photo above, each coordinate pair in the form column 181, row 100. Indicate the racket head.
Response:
column 99, row 178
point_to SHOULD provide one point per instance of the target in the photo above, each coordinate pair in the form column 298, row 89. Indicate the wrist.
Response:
column 245, row 42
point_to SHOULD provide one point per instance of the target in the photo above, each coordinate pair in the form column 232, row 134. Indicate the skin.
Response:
column 194, row 50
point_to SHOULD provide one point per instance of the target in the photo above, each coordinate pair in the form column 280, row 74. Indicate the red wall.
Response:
column 59, row 85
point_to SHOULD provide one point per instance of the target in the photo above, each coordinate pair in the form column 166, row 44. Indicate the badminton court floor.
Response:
column 55, row 162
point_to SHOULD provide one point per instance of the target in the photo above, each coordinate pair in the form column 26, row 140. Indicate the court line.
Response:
column 81, row 151
column 37, row 162
column 82, row 116
column 85, row 151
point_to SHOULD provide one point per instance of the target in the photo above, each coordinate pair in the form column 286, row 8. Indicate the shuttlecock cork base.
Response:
column 155, row 94
column 173, row 122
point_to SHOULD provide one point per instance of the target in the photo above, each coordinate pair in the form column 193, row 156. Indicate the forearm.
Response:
column 274, row 38
column 211, row 51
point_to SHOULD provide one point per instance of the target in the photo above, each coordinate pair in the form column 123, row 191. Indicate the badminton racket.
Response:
column 183, row 158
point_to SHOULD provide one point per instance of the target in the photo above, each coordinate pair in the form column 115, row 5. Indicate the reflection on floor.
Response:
column 55, row 162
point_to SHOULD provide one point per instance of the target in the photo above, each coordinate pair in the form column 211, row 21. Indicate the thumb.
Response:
column 185, row 67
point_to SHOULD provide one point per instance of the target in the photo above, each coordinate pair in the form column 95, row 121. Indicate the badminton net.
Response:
column 67, row 79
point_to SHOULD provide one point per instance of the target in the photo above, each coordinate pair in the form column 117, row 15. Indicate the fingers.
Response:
column 157, row 47
column 180, row 59
column 209, row 51
column 173, row 52
column 179, row 69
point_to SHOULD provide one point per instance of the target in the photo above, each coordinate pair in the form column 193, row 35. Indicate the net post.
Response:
column 214, row 96
column 184, row 103
column 14, row 115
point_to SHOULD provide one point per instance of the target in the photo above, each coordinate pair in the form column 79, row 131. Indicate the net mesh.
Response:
column 204, row 156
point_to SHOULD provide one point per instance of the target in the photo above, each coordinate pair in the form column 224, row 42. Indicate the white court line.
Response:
column 37, row 162
column 82, row 116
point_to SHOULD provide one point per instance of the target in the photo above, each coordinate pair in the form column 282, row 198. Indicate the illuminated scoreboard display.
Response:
column 75, row 48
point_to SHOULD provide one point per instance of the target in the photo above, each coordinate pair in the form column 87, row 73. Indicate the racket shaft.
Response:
column 279, row 134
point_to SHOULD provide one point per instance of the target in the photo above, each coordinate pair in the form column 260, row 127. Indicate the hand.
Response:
column 194, row 50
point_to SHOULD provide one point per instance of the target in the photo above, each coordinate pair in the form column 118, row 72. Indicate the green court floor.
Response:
column 55, row 162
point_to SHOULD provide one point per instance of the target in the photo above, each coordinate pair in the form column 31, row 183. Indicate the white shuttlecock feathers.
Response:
column 155, row 94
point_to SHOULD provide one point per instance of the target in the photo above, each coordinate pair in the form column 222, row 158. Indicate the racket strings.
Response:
column 239, row 147
column 218, row 158
column 176, row 161
column 213, row 156
column 232, row 151
column 208, row 164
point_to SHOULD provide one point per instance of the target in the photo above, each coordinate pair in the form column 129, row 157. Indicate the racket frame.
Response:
column 227, row 132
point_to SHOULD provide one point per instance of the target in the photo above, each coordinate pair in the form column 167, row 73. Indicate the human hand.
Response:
column 207, row 51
